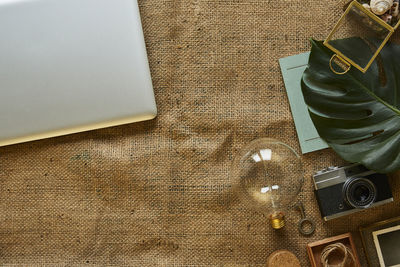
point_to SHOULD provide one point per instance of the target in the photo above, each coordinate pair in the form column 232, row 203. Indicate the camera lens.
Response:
column 359, row 193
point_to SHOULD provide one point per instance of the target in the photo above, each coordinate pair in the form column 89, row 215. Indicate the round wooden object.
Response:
column 283, row 258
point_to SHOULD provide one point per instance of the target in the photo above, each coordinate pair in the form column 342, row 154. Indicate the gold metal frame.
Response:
column 372, row 16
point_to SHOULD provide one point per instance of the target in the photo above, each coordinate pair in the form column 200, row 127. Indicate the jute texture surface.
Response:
column 158, row 193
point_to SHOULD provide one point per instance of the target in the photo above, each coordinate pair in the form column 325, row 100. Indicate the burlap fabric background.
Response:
column 159, row 192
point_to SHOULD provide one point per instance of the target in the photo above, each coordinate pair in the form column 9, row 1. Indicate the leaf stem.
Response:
column 375, row 96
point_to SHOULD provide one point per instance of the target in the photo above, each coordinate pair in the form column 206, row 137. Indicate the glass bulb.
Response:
column 269, row 176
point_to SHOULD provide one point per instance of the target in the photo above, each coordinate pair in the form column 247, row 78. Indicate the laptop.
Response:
column 69, row 66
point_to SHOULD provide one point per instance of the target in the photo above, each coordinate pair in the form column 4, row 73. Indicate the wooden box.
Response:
column 314, row 249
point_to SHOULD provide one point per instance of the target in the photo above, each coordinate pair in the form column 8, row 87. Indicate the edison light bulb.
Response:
column 269, row 176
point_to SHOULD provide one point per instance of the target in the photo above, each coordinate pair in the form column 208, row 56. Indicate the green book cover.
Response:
column 292, row 70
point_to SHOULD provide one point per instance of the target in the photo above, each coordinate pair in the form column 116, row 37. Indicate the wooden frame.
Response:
column 367, row 238
column 314, row 249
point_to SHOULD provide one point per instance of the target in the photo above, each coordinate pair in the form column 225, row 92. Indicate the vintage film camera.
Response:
column 344, row 190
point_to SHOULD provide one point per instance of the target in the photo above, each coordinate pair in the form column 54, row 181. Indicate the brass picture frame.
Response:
column 346, row 60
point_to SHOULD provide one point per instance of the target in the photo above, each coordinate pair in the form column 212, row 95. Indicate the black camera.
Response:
column 344, row 190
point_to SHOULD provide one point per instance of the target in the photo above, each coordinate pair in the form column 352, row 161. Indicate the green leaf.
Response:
column 357, row 114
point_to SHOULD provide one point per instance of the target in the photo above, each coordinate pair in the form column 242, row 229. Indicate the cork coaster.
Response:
column 283, row 258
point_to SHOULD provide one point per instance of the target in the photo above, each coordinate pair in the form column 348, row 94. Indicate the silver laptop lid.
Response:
column 71, row 65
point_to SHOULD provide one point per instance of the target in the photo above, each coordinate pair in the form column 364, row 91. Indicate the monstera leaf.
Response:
column 357, row 114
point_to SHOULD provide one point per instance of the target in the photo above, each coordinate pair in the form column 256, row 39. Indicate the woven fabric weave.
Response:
column 158, row 193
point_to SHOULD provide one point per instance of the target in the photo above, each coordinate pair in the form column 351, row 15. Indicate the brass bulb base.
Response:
column 277, row 220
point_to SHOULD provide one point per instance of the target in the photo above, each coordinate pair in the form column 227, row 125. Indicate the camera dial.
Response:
column 359, row 193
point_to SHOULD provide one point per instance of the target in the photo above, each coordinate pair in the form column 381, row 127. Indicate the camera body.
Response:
column 342, row 191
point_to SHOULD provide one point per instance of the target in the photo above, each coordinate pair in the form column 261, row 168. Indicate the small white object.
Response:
column 380, row 7
column 366, row 6
column 395, row 9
